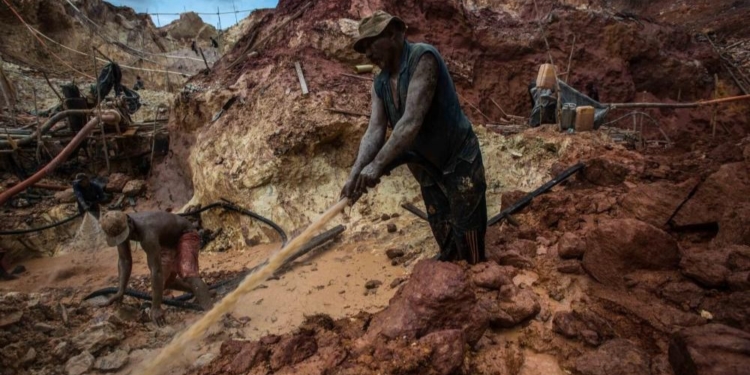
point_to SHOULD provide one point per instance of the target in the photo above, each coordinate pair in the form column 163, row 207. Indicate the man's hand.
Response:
column 116, row 299
column 368, row 178
column 348, row 190
column 86, row 207
column 157, row 316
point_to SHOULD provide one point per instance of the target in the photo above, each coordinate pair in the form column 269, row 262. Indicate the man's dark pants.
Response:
column 457, row 211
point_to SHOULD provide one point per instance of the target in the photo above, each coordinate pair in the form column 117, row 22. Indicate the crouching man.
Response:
column 171, row 245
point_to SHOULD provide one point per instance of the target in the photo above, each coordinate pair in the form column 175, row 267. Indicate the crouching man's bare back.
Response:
column 171, row 245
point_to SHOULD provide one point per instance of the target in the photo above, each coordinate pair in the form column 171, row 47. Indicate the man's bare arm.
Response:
column 371, row 142
column 153, row 256
column 418, row 101
column 124, row 268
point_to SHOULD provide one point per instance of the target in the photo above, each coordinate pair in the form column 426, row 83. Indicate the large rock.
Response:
column 604, row 172
column 79, row 364
column 510, row 306
column 712, row 349
column 116, row 182
column 706, row 266
column 447, row 348
column 570, row 246
column 729, row 308
column 656, row 203
column 243, row 356
column 720, row 192
column 112, row 361
column 490, row 275
column 615, row 357
column 437, row 297
column 134, row 188
column 734, row 226
column 293, row 350
column 65, row 196
column 97, row 337
column 617, row 247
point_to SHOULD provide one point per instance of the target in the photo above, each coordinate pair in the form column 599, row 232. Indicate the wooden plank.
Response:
column 301, row 78
column 130, row 132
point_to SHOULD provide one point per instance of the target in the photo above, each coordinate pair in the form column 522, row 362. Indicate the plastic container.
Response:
column 567, row 116
column 584, row 118
column 546, row 78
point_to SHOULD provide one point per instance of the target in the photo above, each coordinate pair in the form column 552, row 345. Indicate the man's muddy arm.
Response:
column 152, row 248
column 419, row 98
column 371, row 142
column 124, row 267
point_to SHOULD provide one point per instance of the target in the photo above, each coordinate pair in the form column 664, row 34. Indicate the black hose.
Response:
column 32, row 230
column 542, row 189
column 144, row 296
column 227, row 205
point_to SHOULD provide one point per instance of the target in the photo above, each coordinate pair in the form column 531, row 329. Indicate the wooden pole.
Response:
column 38, row 127
column 204, row 58
column 570, row 58
column 716, row 96
column 52, row 87
column 301, row 78
column 678, row 105
column 235, row 13
column 99, row 111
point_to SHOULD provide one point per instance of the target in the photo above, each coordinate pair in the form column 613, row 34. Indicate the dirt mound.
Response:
column 190, row 27
column 424, row 330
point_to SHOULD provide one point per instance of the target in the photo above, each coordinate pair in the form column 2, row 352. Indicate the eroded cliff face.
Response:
column 286, row 155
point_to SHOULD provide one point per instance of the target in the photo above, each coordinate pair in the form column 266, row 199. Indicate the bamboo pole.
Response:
column 716, row 96
column 99, row 110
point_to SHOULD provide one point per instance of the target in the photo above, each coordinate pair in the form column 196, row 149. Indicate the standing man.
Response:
column 88, row 194
column 171, row 245
column 138, row 84
column 415, row 96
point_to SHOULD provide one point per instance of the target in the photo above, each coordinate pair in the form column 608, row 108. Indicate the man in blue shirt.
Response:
column 415, row 96
column 88, row 194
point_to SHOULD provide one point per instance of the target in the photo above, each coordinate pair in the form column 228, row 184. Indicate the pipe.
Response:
column 678, row 105
column 107, row 116
column 227, row 205
column 39, row 229
column 47, row 125
column 542, row 189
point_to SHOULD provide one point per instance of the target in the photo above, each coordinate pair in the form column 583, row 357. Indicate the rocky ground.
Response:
column 639, row 264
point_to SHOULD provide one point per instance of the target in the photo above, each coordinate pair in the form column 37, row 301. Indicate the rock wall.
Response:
column 286, row 156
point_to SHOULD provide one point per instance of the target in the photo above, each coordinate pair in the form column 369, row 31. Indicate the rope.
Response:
column 42, row 42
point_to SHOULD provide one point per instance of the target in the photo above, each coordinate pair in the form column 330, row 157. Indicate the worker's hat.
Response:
column 371, row 27
column 115, row 227
column 81, row 176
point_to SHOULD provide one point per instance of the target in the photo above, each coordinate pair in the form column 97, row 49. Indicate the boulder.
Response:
column 243, row 355
column 510, row 306
column 116, row 182
column 718, row 193
column 134, row 188
column 683, row 293
column 615, row 357
column 570, row 266
column 739, row 281
column 570, row 246
column 620, row 246
column 604, row 172
column 729, row 308
column 447, row 350
column 656, row 203
column 734, row 226
column 706, row 266
column 490, row 275
column 711, row 349
column 79, row 364
column 112, row 361
column 293, row 350
column 437, row 297
column 394, row 253
column 97, row 337
column 65, row 196
column 738, row 259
